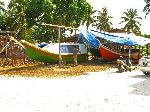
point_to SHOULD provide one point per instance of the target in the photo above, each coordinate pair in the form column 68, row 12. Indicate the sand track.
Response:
column 104, row 91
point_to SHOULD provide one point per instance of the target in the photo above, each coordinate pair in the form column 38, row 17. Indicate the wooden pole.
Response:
column 129, row 60
column 60, row 59
column 130, row 52
column 147, row 49
column 59, row 27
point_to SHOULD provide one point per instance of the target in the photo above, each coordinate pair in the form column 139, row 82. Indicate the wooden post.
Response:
column 59, row 36
column 147, row 49
column 60, row 59
column 130, row 52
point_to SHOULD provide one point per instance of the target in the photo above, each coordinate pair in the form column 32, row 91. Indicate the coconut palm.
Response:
column 103, row 20
column 130, row 20
column 89, row 18
column 2, row 9
column 147, row 6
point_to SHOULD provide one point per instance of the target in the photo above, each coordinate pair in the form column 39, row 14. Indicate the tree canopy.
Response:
column 103, row 20
column 2, row 16
column 131, row 21
column 147, row 7
column 28, row 15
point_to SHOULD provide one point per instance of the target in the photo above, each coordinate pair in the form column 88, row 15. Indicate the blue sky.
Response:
column 116, row 9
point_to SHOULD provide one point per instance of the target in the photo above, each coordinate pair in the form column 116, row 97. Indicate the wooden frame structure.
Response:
column 10, row 49
column 59, row 37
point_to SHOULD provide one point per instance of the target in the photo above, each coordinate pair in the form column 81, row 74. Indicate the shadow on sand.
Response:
column 142, row 87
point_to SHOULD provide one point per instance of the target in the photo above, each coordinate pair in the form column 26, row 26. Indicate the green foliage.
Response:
column 143, row 35
column 38, row 11
column 2, row 16
column 103, row 20
column 70, row 12
column 89, row 18
column 26, row 16
column 2, row 9
column 130, row 20
column 147, row 7
column 2, row 22
column 44, row 34
column 16, row 20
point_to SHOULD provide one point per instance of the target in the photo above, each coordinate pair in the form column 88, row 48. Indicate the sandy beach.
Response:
column 105, row 91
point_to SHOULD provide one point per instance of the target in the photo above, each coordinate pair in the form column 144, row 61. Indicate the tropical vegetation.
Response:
column 102, row 21
column 131, row 21
column 26, row 17
column 2, row 16
column 147, row 7
column 89, row 19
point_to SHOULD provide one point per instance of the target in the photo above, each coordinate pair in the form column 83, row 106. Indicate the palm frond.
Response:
column 130, row 19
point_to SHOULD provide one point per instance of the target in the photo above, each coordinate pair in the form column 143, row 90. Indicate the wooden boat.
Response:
column 91, row 42
column 50, row 53
column 111, row 55
column 115, row 45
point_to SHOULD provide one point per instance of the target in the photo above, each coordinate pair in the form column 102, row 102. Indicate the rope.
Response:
column 5, row 46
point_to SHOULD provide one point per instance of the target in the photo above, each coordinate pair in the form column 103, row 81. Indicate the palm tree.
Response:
column 89, row 18
column 130, row 20
column 147, row 6
column 2, row 9
column 102, row 22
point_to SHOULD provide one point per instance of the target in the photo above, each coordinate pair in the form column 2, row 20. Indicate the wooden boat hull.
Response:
column 42, row 55
column 110, row 55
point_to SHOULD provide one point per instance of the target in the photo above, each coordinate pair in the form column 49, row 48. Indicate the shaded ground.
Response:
column 53, row 71
column 142, row 87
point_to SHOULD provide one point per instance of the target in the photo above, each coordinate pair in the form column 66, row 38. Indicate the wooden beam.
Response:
column 58, row 26
column 7, row 32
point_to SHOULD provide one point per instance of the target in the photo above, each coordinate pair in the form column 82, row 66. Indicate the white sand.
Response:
column 97, row 92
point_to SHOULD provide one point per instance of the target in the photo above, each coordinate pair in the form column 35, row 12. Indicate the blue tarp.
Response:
column 125, row 39
column 89, row 38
